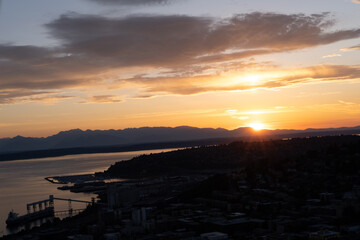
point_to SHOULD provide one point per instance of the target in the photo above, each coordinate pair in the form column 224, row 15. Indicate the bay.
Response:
column 22, row 181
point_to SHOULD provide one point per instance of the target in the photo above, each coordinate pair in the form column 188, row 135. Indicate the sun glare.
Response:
column 257, row 126
column 252, row 79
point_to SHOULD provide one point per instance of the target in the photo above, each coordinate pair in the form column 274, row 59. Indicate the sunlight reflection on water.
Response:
column 22, row 181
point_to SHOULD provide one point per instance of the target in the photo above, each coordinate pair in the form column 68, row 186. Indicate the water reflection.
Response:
column 22, row 181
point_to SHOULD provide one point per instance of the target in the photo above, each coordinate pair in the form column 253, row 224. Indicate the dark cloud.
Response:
column 184, row 49
column 352, row 48
column 176, row 40
column 134, row 41
column 23, row 53
column 131, row 2
column 27, row 67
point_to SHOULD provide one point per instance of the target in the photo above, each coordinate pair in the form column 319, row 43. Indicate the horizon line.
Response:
column 215, row 128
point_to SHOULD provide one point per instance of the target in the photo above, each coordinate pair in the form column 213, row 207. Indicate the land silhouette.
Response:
column 77, row 141
column 293, row 188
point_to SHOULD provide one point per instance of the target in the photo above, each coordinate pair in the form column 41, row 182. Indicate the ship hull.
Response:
column 30, row 217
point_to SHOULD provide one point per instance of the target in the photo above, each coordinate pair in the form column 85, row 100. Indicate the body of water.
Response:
column 23, row 182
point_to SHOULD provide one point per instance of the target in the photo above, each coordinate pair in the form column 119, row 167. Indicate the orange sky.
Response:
column 199, row 63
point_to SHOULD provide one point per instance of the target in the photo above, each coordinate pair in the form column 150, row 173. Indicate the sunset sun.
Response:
column 257, row 126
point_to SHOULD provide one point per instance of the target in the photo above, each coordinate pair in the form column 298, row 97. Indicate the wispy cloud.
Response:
column 245, row 115
column 353, row 48
column 236, row 80
column 132, row 2
column 104, row 99
column 3, row 125
column 338, row 107
column 25, row 96
column 346, row 102
column 356, row 1
column 332, row 55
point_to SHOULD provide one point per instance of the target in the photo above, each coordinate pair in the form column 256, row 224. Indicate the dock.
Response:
column 36, row 210
column 42, row 209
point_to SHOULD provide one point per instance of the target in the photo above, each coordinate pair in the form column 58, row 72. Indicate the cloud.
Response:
column 24, row 96
column 346, row 103
column 176, row 40
column 37, row 69
column 23, row 53
column 332, row 55
column 316, row 74
column 143, row 96
column 245, row 115
column 243, row 118
column 353, row 48
column 356, row 1
column 236, row 80
column 173, row 54
column 131, row 2
column 104, row 99
column 47, row 99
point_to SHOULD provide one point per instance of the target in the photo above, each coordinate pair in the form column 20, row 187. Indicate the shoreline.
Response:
column 47, row 153
column 71, row 178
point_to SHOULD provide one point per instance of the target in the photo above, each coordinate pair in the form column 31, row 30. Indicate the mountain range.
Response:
column 78, row 138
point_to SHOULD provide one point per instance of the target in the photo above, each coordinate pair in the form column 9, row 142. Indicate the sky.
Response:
column 114, row 64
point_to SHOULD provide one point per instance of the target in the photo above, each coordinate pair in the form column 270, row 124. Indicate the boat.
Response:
column 12, row 218
column 15, row 220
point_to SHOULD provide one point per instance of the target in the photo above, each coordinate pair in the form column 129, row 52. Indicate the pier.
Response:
column 44, row 209
column 40, row 205
column 70, row 210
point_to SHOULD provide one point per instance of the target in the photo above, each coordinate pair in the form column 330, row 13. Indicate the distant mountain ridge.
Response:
column 131, row 136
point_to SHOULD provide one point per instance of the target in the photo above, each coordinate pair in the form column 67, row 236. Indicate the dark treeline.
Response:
column 335, row 154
